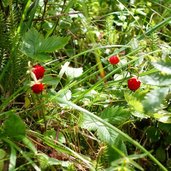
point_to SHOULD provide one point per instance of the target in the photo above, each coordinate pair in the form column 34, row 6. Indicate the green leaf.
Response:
column 31, row 42
column 163, row 66
column 49, row 80
column 29, row 144
column 46, row 161
column 14, row 127
column 156, row 79
column 53, row 43
column 154, row 99
column 117, row 150
column 36, row 46
column 164, row 118
column 153, row 134
column 115, row 115
column 161, row 154
column 104, row 134
column 13, row 157
column 88, row 123
column 134, row 103
column 41, row 57
column 2, row 156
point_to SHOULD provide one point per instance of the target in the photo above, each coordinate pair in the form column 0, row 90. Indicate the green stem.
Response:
column 23, row 16
column 125, row 136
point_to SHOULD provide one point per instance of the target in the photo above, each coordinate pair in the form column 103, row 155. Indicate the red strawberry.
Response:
column 38, row 70
column 134, row 83
column 114, row 60
column 37, row 88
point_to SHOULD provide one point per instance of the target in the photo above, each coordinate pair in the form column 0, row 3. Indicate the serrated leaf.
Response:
column 53, row 43
column 89, row 123
column 104, row 134
column 163, row 66
column 134, row 103
column 154, row 99
column 36, row 46
column 14, row 127
column 31, row 42
column 115, row 115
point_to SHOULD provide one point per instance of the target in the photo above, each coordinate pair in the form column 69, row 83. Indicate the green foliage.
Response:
column 157, row 79
column 104, row 134
column 163, row 66
column 115, row 115
column 134, row 103
column 14, row 127
column 154, row 99
column 2, row 157
column 86, row 118
column 36, row 47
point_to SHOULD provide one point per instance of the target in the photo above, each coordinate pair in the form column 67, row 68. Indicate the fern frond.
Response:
column 12, row 63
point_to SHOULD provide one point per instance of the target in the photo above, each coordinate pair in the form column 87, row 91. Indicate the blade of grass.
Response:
column 13, row 157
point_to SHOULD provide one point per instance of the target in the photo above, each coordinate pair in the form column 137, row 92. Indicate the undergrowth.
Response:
column 85, row 117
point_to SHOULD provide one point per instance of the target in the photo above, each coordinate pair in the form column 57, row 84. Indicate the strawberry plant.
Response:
column 85, row 85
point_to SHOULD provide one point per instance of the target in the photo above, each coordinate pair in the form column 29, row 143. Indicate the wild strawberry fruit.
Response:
column 37, row 88
column 134, row 83
column 39, row 71
column 114, row 60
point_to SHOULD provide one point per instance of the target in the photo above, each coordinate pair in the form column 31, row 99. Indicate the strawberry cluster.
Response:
column 133, row 83
column 37, row 73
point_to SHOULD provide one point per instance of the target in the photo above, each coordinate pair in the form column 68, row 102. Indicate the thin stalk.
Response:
column 122, row 134
column 23, row 16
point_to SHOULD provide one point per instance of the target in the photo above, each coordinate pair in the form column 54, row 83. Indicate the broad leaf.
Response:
column 36, row 46
column 14, row 127
column 41, row 57
column 154, row 99
column 156, row 79
column 164, row 118
column 163, row 66
column 31, row 42
column 52, row 44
